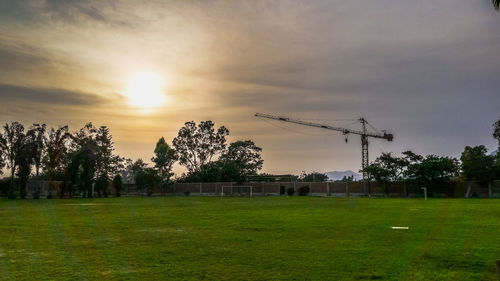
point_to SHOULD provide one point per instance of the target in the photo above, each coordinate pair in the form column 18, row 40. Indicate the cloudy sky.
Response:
column 427, row 71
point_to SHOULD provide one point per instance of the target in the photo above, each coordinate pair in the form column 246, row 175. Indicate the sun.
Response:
column 145, row 90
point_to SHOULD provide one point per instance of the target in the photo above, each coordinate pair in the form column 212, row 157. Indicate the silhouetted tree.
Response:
column 25, row 159
column 83, row 158
column 56, row 149
column 245, row 157
column 14, row 138
column 496, row 132
column 118, row 184
column 101, row 185
column 197, row 145
column 432, row 171
column 2, row 153
column 139, row 173
column 107, row 162
column 477, row 165
column 164, row 158
column 37, row 138
column 313, row 177
column 387, row 168
column 496, row 4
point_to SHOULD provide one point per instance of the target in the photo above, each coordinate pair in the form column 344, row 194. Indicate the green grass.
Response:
column 299, row 238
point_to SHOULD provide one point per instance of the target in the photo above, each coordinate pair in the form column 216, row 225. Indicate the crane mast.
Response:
column 364, row 133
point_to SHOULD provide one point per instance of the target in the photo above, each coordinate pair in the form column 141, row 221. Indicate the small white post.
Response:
column 222, row 191
column 425, row 192
column 251, row 190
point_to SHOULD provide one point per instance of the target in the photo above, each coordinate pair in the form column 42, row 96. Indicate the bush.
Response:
column 290, row 191
column 304, row 190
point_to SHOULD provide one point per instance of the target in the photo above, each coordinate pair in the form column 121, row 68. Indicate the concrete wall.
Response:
column 43, row 189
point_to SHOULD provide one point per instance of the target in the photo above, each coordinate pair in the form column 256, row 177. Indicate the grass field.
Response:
column 300, row 238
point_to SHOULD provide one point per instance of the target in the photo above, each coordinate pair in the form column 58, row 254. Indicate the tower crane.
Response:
column 364, row 133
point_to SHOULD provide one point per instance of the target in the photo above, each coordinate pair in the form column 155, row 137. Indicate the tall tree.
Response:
column 25, row 159
column 496, row 132
column 13, row 136
column 138, row 170
column 197, row 145
column 84, row 158
column 477, row 165
column 432, row 171
column 2, row 153
column 108, row 164
column 246, row 156
column 164, row 158
column 387, row 168
column 37, row 138
column 56, row 149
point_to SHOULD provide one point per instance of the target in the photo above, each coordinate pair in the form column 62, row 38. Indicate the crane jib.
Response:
column 364, row 134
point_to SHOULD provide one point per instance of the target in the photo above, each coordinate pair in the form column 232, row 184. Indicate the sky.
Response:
column 426, row 71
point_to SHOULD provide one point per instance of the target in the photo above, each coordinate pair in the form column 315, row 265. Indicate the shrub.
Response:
column 290, row 191
column 304, row 190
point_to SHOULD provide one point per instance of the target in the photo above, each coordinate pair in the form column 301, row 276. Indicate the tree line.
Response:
column 86, row 163
column 432, row 171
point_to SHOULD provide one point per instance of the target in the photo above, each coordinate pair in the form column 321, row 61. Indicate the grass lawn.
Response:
column 299, row 238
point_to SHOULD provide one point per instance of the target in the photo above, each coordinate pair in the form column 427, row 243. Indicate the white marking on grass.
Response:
column 400, row 227
column 413, row 209
column 84, row 204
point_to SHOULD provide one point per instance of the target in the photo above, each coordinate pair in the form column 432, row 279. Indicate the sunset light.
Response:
column 145, row 90
column 249, row 140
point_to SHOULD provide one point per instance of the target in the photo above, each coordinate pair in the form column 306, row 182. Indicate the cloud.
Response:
column 426, row 70
column 44, row 96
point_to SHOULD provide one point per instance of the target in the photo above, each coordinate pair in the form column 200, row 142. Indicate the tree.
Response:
column 313, row 177
column 347, row 179
column 92, row 158
column 496, row 132
column 151, row 180
column 2, row 153
column 387, row 168
column 107, row 162
column 84, row 158
column 496, row 4
column 139, row 173
column 245, row 156
column 164, row 158
column 432, row 171
column 56, row 149
column 37, row 138
column 101, row 185
column 118, row 184
column 477, row 165
column 197, row 145
column 13, row 136
column 25, row 159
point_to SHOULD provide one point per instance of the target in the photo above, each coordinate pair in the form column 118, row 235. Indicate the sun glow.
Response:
column 145, row 90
